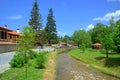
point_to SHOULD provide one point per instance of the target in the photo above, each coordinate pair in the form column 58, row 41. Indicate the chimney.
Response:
column 18, row 30
column 5, row 26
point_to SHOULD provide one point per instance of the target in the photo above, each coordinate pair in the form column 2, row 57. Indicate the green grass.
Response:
column 19, row 73
column 97, row 59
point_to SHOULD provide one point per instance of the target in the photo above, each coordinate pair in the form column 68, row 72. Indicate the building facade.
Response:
column 7, row 35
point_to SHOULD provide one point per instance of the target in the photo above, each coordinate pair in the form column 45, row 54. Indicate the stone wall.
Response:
column 7, row 47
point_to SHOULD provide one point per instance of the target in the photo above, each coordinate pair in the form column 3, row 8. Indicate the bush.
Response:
column 83, row 47
column 32, row 54
column 41, row 60
column 17, row 61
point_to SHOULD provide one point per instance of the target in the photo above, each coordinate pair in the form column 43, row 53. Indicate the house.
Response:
column 8, row 39
column 73, row 43
column 8, row 35
column 62, row 44
column 97, row 46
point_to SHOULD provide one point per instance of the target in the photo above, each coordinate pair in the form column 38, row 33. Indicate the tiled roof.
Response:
column 97, row 44
column 5, row 28
column 14, row 33
column 7, row 43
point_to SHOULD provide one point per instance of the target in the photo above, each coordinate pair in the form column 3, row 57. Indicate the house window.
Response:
column 3, row 35
column 0, row 34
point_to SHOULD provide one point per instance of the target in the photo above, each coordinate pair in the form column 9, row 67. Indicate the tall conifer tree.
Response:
column 51, row 28
column 36, row 20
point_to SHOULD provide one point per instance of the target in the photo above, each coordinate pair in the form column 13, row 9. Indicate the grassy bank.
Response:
column 19, row 73
column 97, row 59
column 49, row 73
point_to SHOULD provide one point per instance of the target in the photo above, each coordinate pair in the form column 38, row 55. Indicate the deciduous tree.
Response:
column 25, row 44
column 66, row 39
column 82, row 37
column 97, row 33
column 107, row 40
column 117, row 36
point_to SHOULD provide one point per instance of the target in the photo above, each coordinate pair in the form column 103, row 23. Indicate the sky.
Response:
column 70, row 15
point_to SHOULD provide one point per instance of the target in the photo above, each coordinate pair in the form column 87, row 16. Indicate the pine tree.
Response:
column 51, row 28
column 36, row 19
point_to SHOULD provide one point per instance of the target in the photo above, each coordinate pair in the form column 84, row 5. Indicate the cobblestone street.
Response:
column 69, row 68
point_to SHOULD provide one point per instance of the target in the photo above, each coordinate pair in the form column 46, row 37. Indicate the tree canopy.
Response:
column 107, row 40
column 117, row 36
column 51, row 28
column 81, row 37
column 97, row 33
column 36, row 19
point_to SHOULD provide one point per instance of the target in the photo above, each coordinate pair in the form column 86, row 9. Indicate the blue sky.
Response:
column 70, row 15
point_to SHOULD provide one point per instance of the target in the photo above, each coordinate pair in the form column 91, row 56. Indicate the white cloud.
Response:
column 113, row 0
column 90, row 26
column 62, row 33
column 108, row 16
column 15, row 17
column 81, row 28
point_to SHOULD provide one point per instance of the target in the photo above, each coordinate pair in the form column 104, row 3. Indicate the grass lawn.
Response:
column 19, row 73
column 97, row 59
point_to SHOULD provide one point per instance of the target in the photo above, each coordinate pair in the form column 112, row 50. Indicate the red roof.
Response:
column 14, row 33
column 97, row 44
column 7, row 43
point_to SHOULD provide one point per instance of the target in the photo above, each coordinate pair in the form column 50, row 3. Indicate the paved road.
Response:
column 69, row 68
column 5, row 58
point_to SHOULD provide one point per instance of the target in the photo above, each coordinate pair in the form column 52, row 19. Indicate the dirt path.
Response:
column 69, row 68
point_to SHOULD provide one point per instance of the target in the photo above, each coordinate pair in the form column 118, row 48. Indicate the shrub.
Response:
column 41, row 60
column 17, row 61
column 32, row 54
column 83, row 47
